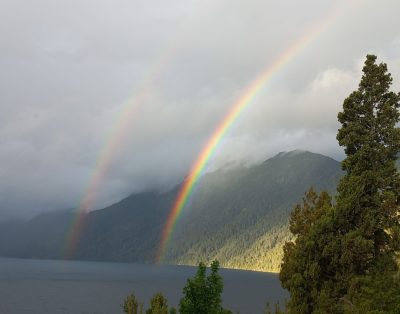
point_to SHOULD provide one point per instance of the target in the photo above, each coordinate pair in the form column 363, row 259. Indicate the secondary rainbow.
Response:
column 103, row 162
column 226, row 123
column 112, row 145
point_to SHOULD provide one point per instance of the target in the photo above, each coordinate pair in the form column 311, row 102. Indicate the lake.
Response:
column 69, row 287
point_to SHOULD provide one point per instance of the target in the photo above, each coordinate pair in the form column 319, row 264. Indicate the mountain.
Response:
column 238, row 215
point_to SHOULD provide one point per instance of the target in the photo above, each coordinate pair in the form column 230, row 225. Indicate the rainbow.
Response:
column 103, row 163
column 111, row 147
column 226, row 123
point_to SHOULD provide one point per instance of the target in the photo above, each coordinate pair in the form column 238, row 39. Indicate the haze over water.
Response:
column 69, row 287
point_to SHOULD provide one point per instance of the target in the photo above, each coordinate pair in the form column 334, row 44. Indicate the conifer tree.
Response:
column 202, row 295
column 369, row 194
column 172, row 310
column 302, row 266
column 368, row 200
column 345, row 256
column 158, row 304
column 131, row 305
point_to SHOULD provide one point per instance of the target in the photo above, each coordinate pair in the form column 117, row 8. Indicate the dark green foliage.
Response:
column 202, row 295
column 375, row 293
column 367, row 211
column 172, row 310
column 344, row 257
column 303, row 262
column 368, row 195
column 131, row 305
column 158, row 304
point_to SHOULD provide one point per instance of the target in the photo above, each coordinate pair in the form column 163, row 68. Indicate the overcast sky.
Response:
column 127, row 92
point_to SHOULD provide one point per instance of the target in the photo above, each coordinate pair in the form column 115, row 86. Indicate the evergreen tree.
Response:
column 345, row 254
column 202, row 295
column 369, row 194
column 158, row 304
column 131, row 305
column 367, row 210
column 303, row 261
column 172, row 310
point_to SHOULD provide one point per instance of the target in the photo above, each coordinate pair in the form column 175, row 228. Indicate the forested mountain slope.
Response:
column 238, row 215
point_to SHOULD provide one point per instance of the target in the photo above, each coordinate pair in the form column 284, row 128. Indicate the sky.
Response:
column 115, row 97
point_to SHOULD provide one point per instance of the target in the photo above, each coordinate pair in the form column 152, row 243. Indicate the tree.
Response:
column 342, row 252
column 202, row 295
column 172, row 310
column 301, row 270
column 131, row 305
column 368, row 201
column 158, row 304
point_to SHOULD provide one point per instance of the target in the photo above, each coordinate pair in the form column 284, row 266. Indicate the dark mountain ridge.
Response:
column 237, row 214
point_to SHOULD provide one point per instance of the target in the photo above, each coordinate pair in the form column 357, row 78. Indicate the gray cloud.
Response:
column 70, row 69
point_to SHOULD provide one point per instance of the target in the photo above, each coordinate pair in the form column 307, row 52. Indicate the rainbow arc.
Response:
column 242, row 103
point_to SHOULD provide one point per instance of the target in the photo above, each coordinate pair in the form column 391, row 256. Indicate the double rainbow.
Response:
column 122, row 123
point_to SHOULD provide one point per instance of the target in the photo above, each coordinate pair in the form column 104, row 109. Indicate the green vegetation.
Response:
column 158, row 304
column 173, row 310
column 201, row 295
column 131, row 305
column 343, row 259
column 303, row 260
column 239, row 215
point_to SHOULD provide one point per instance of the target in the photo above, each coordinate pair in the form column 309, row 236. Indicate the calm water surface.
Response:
column 69, row 287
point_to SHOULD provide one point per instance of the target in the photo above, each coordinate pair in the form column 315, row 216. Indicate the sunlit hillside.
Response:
column 240, row 215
